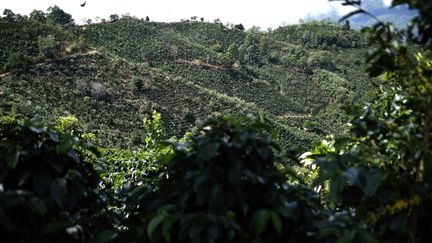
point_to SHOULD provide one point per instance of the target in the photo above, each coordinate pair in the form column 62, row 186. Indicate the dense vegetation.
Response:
column 229, row 179
column 111, row 80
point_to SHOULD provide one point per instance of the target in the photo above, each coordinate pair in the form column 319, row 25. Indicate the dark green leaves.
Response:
column 208, row 150
column 12, row 155
column 106, row 236
column 154, row 223
column 37, row 205
column 226, row 187
column 261, row 220
column 58, row 192
column 47, row 194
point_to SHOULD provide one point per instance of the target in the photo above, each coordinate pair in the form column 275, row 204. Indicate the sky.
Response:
column 268, row 13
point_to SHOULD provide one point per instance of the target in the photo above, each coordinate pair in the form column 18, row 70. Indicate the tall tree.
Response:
column 57, row 16
column 9, row 15
column 38, row 15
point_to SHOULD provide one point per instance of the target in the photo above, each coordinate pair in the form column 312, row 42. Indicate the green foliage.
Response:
column 137, row 83
column 239, row 27
column 9, row 15
column 38, row 15
column 113, row 17
column 18, row 62
column 154, row 129
column 47, row 46
column 138, row 166
column 320, row 59
column 222, row 186
column 56, row 16
column 233, row 52
column 379, row 173
column 49, row 187
column 34, row 38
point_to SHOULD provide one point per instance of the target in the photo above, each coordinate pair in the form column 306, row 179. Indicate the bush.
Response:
column 47, row 46
column 137, row 83
column 222, row 186
column 17, row 61
column 49, row 188
column 98, row 91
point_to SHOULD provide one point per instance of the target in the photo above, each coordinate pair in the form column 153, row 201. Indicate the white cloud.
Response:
column 269, row 13
column 387, row 2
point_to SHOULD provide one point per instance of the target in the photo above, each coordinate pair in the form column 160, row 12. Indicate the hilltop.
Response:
column 112, row 75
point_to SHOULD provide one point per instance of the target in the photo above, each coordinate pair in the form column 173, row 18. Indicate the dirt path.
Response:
column 198, row 62
column 294, row 116
column 89, row 52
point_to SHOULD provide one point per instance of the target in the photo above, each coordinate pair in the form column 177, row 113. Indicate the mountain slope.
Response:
column 297, row 77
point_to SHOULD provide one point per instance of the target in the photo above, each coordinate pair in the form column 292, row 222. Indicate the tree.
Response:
column 9, row 15
column 56, row 16
column 113, row 17
column 147, row 19
column 38, row 15
column 346, row 25
column 137, row 83
column 239, row 27
column 320, row 59
column 47, row 46
column 233, row 52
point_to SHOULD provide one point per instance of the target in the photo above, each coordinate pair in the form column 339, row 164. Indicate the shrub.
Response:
column 49, row 187
column 222, row 186
column 18, row 62
column 98, row 91
column 137, row 83
column 47, row 46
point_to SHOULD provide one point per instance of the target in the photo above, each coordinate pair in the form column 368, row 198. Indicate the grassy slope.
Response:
column 185, row 79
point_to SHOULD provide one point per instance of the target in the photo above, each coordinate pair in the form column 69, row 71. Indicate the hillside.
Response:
column 84, row 156
column 112, row 75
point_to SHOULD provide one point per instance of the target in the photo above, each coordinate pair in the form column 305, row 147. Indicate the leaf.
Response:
column 12, row 156
column 276, row 221
column 37, row 206
column 53, row 135
column 154, row 223
column 54, row 227
column 261, row 221
column 337, row 184
column 58, row 191
column 212, row 233
column 106, row 236
column 352, row 175
column 372, row 183
column 166, row 229
column 73, row 155
column 38, row 130
column 207, row 151
column 66, row 144
column 264, row 153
